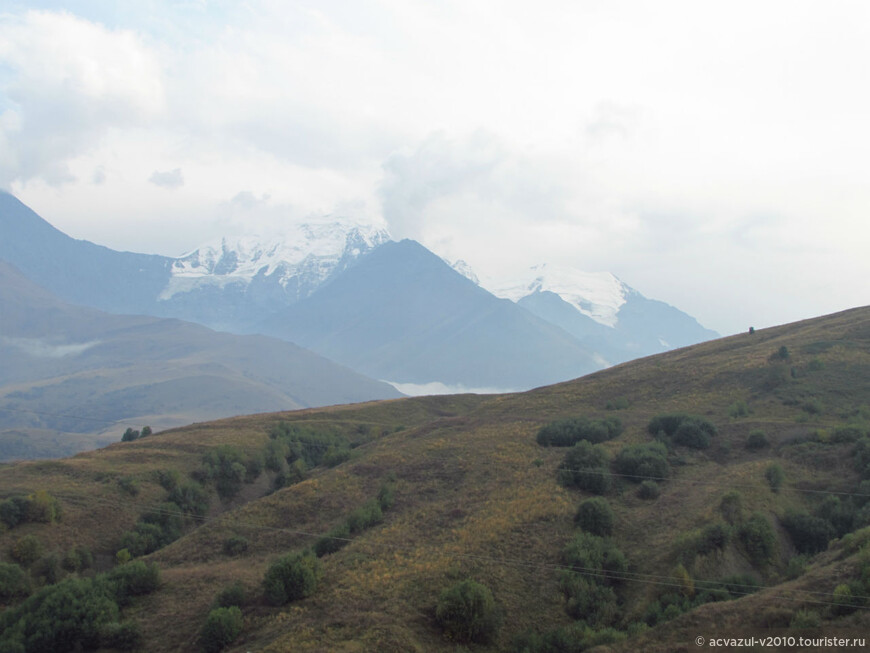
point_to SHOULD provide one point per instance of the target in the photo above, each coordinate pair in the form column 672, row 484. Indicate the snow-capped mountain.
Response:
column 262, row 274
column 605, row 314
column 598, row 295
column 301, row 258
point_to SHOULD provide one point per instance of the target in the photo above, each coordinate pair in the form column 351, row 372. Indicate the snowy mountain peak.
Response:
column 598, row 295
column 464, row 269
column 307, row 253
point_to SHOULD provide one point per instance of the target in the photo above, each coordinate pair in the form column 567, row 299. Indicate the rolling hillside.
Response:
column 709, row 537
column 70, row 372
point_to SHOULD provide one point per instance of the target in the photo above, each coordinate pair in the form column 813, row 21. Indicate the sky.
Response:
column 715, row 156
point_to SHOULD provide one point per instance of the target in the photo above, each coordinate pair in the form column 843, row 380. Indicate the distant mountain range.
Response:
column 71, row 369
column 391, row 310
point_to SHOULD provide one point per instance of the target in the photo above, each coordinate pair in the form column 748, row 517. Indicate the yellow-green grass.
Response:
column 477, row 497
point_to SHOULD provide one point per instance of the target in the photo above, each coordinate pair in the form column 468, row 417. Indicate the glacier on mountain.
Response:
column 598, row 295
column 298, row 260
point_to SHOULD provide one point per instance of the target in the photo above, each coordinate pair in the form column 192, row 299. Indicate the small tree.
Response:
column 758, row 539
column 595, row 516
column 130, row 434
column 756, row 440
column 292, row 577
column 221, row 628
column 775, row 476
column 467, row 612
column 585, row 467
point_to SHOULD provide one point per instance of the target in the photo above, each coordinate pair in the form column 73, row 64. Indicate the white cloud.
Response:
column 71, row 81
column 169, row 179
column 664, row 142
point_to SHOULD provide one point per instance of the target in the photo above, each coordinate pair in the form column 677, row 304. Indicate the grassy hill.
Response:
column 466, row 492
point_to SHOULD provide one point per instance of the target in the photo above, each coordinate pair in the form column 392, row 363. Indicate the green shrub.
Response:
column 843, row 434
column 797, row 566
column 26, row 550
column 775, row 476
column 756, row 440
column 168, row 479
column 190, row 498
column 47, row 569
column 597, row 556
column 222, row 627
column 586, row 599
column 291, row 577
column 758, row 539
column 781, row 354
column 130, row 435
column 387, row 495
column 808, row 534
column 643, row 461
column 568, row 432
column 334, row 540
column 42, row 507
column 844, row 601
column 648, row 490
column 585, row 467
column 806, row 619
column 225, row 465
column 731, row 507
column 861, row 456
column 713, row 537
column 13, row 582
column 738, row 409
column 682, row 429
column 235, row 545
column 129, row 485
column 467, row 612
column 694, row 432
column 365, row 516
column 14, row 511
column 620, row 403
column 124, row 636
column 595, row 516
column 78, row 559
column 231, row 595
column 61, row 618
column 133, row 579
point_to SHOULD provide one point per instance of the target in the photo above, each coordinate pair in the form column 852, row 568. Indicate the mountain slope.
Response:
column 66, row 360
column 602, row 312
column 78, row 271
column 476, row 497
column 404, row 315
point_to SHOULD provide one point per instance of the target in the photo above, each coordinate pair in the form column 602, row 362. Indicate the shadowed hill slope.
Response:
column 475, row 496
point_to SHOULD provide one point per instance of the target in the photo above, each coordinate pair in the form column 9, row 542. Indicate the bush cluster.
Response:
column 37, row 507
column 682, row 429
column 586, row 467
column 638, row 462
column 229, row 468
column 597, row 566
column 568, row 432
column 595, row 516
column 758, row 539
column 757, row 440
column 467, row 612
column 222, row 627
column 671, row 604
column 366, row 516
column 291, row 577
column 78, row 613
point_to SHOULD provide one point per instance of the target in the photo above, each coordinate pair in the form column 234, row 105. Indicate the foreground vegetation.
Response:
column 726, row 483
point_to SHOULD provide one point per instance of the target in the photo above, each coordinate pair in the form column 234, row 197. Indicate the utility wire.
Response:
column 636, row 577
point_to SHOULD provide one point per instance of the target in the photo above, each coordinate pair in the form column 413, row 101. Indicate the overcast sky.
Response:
column 715, row 156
